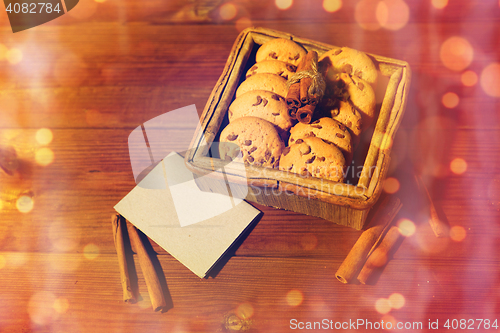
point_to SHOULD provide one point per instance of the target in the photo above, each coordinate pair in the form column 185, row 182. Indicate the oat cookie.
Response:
column 263, row 81
column 350, row 61
column 257, row 140
column 313, row 157
column 327, row 129
column 263, row 104
column 277, row 67
column 281, row 49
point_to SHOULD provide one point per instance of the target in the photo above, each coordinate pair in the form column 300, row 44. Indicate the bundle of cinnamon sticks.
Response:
column 121, row 233
column 303, row 96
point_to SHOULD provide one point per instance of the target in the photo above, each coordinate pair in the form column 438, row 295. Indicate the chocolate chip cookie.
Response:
column 281, row 49
column 350, row 61
column 327, row 129
column 263, row 104
column 252, row 139
column 277, row 67
column 313, row 157
column 263, row 81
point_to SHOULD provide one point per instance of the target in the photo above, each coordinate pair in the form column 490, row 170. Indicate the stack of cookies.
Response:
column 261, row 133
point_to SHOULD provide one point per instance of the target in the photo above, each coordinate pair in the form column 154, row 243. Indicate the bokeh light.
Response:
column 100, row 1
column 397, row 301
column 383, row 306
column 41, row 309
column 91, row 251
column 458, row 233
column 406, row 227
column 450, row 100
column 294, row 297
column 1, row 204
column 3, row 51
column 283, row 4
column 245, row 310
column 69, row 69
column 64, row 236
column 332, row 6
column 456, row 53
column 44, row 136
column 392, row 14
column 309, row 242
column 391, row 185
column 44, row 156
column 243, row 23
column 14, row 56
column 439, row 4
column 61, row 305
column 25, row 204
column 469, row 78
column 3, row 261
column 228, row 11
column 365, row 14
column 458, row 166
column 390, row 322
column 490, row 79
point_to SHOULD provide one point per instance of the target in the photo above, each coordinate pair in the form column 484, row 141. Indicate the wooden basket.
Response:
column 344, row 204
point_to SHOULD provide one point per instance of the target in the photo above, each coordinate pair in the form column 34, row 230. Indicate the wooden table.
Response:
column 96, row 73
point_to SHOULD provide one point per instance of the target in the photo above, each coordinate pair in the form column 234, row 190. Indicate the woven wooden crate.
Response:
column 344, row 204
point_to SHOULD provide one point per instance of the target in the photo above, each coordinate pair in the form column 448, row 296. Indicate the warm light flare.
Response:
column 391, row 185
column 228, row 11
column 406, row 227
column 25, row 204
column 439, row 4
column 392, row 14
column 245, row 311
column 383, row 306
column 458, row 233
column 61, row 305
column 3, row 51
column 44, row 156
column 3, row 261
column 14, row 56
column 332, row 6
column 243, row 23
column 44, row 136
column 365, row 14
column 309, row 242
column 458, row 166
column 91, row 251
column 469, row 78
column 490, row 80
column 456, row 53
column 450, row 100
column 294, row 297
column 283, row 4
column 397, row 301
column 41, row 309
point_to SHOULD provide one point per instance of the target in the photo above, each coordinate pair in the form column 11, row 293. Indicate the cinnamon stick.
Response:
column 439, row 227
column 293, row 96
column 305, row 113
column 305, row 83
column 152, row 281
column 119, row 230
column 356, row 258
column 381, row 255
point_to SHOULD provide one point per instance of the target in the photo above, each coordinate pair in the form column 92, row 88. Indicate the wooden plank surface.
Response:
column 98, row 72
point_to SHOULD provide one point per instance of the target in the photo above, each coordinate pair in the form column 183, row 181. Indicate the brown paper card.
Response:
column 197, row 245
